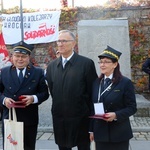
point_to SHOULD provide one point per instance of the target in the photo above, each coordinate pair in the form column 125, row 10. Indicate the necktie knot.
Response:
column 107, row 80
column 21, row 69
column 64, row 63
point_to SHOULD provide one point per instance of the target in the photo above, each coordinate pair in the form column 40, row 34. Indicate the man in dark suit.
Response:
column 31, row 87
column 70, row 84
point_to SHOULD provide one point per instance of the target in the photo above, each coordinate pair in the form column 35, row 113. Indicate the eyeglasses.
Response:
column 105, row 62
column 63, row 41
column 21, row 56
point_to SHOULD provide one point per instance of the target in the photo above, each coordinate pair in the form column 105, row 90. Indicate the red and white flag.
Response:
column 4, row 54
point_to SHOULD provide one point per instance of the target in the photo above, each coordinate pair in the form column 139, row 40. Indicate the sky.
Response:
column 34, row 4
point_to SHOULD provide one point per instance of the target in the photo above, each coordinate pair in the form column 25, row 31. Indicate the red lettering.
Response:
column 9, row 136
column 11, row 140
column 40, row 33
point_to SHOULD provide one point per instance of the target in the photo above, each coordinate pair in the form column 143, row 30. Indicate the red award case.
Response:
column 18, row 104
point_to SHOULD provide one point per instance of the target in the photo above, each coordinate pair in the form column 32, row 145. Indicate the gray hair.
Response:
column 70, row 33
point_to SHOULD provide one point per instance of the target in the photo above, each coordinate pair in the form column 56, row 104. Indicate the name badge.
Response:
column 99, row 108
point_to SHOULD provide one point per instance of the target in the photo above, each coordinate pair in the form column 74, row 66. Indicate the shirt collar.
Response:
column 68, row 57
column 23, row 71
column 110, row 77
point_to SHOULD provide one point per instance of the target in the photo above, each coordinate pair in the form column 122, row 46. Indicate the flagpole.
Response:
column 73, row 3
column 21, row 16
column 2, row 6
column 1, row 16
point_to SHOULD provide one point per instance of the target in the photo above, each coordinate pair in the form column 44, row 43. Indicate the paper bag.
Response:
column 13, row 133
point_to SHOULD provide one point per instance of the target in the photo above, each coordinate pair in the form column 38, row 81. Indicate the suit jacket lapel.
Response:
column 27, row 74
column 15, row 76
column 109, row 90
column 16, row 79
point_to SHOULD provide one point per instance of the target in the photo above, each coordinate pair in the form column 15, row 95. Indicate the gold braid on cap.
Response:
column 110, row 53
column 22, row 48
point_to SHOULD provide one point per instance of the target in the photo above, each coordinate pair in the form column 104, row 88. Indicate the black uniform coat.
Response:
column 146, row 66
column 33, row 84
column 71, row 89
column 120, row 98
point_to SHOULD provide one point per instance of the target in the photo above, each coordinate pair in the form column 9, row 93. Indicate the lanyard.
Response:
column 99, row 93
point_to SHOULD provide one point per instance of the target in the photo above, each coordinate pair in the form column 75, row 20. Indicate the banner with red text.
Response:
column 4, row 55
column 38, row 27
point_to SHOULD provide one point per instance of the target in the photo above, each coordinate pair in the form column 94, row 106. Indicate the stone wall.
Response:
column 44, row 53
column 139, row 18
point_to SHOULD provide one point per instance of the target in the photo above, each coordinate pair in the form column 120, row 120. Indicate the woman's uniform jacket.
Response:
column 71, row 90
column 33, row 84
column 120, row 98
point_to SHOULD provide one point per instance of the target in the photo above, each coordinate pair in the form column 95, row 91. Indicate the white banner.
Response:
column 38, row 27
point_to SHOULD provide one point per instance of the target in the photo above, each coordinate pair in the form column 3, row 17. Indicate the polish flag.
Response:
column 4, row 54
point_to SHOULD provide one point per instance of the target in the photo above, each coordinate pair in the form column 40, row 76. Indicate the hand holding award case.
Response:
column 19, row 103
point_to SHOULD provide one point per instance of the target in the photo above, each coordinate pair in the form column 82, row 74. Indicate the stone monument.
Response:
column 95, row 35
column 93, row 38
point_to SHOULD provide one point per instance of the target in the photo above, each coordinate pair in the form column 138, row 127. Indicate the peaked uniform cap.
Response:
column 110, row 53
column 22, row 47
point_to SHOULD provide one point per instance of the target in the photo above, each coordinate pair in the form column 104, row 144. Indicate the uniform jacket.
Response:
column 120, row 98
column 71, row 89
column 33, row 84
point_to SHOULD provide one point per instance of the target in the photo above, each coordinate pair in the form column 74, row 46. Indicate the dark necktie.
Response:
column 21, row 75
column 107, row 82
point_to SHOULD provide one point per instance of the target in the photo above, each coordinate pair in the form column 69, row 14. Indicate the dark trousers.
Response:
column 83, row 138
column 80, row 147
column 30, row 133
